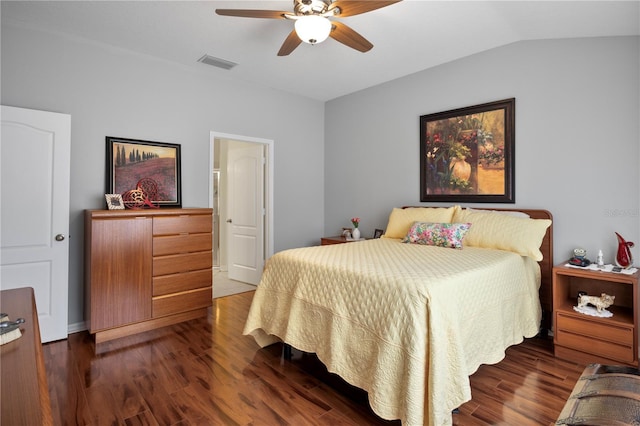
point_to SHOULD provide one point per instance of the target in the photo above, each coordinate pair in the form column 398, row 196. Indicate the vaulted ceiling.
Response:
column 408, row 37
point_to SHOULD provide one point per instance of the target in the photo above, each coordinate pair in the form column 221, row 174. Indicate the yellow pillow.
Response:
column 505, row 232
column 400, row 220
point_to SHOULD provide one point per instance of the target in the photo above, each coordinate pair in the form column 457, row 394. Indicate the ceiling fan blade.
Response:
column 350, row 8
column 290, row 43
column 250, row 13
column 349, row 37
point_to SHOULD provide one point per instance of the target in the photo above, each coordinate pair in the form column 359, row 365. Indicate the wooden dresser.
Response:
column 24, row 390
column 146, row 269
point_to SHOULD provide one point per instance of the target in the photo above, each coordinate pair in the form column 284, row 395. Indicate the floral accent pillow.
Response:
column 448, row 235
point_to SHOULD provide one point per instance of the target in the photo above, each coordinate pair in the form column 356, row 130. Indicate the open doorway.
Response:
column 241, row 194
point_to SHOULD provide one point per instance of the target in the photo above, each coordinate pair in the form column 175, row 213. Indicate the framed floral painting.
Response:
column 153, row 166
column 467, row 154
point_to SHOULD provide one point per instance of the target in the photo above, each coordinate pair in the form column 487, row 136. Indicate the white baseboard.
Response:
column 76, row 327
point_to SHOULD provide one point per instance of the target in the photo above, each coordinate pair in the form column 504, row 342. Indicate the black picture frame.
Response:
column 131, row 160
column 378, row 233
column 467, row 155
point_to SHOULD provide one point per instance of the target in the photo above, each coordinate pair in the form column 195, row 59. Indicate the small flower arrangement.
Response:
column 489, row 154
column 355, row 221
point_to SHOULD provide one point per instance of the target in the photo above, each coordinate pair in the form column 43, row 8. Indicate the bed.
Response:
column 406, row 320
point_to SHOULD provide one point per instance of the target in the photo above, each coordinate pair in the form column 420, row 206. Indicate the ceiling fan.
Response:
column 312, row 24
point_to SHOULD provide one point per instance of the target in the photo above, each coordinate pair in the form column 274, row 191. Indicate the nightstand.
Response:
column 339, row 239
column 589, row 339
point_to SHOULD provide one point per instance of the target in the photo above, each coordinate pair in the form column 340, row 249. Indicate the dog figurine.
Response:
column 600, row 303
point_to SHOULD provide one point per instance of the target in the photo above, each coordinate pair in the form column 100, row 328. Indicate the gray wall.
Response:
column 577, row 137
column 111, row 92
column 577, row 132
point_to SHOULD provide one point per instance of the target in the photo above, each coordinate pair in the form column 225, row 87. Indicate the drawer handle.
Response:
column 7, row 326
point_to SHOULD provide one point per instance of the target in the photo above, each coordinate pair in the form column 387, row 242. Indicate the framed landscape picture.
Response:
column 130, row 162
column 468, row 154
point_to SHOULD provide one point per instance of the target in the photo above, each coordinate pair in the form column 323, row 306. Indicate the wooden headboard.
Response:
column 546, row 264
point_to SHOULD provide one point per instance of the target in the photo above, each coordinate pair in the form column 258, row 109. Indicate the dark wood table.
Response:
column 339, row 239
column 23, row 382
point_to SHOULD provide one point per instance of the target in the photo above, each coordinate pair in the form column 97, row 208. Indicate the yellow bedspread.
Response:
column 407, row 323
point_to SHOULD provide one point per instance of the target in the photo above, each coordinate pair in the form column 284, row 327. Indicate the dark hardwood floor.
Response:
column 206, row 373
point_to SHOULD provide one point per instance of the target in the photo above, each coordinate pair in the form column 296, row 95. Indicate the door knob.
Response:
column 59, row 237
column 228, row 220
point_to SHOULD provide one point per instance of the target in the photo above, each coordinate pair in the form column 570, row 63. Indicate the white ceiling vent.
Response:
column 217, row 62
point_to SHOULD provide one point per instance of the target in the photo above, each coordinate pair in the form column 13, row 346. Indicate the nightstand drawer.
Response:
column 597, row 330
column 595, row 347
column 606, row 341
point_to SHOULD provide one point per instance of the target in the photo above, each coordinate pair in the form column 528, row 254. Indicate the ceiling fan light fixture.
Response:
column 313, row 29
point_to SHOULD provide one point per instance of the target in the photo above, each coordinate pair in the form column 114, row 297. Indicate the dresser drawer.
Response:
column 171, row 225
column 185, row 243
column 181, row 302
column 175, row 283
column 174, row 264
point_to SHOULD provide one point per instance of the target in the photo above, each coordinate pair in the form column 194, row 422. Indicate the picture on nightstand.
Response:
column 378, row 233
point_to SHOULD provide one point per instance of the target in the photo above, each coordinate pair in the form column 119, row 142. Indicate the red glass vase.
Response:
column 623, row 256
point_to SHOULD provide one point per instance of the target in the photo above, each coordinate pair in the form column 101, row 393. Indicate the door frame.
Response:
column 268, row 179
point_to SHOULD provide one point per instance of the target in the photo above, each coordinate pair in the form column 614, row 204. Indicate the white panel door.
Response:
column 245, row 195
column 34, row 212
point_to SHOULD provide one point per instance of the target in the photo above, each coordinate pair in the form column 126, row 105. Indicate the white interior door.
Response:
column 245, row 197
column 34, row 212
